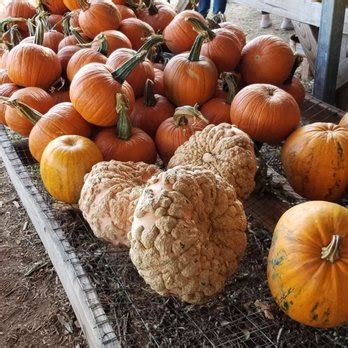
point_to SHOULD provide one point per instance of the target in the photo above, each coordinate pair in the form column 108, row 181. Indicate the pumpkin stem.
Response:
column 4, row 22
column 212, row 24
column 153, row 9
column 66, row 24
column 23, row 109
column 134, row 6
column 196, row 49
column 41, row 7
column 230, row 80
column 150, row 42
column 124, row 126
column 15, row 37
column 181, row 113
column 122, row 72
column 149, row 95
column 84, row 4
column 103, row 44
column 297, row 63
column 78, row 36
column 331, row 252
column 40, row 29
column 201, row 28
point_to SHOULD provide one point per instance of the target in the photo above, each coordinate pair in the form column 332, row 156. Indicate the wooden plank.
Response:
column 81, row 294
column 329, row 49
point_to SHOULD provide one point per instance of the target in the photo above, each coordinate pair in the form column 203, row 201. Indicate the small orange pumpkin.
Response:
column 315, row 161
column 125, row 12
column 158, row 82
column 308, row 264
column 64, row 56
column 125, row 143
column 174, row 131
column 114, row 40
column 265, row 112
column 64, row 163
column 6, row 90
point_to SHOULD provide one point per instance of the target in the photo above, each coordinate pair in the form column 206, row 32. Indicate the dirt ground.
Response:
column 34, row 310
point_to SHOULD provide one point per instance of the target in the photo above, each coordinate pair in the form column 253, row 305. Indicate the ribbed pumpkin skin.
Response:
column 100, row 16
column 115, row 40
column 125, row 12
column 20, row 9
column 64, row 56
column 179, row 35
column 216, row 111
column 51, row 40
column 310, row 290
column 158, row 82
column 139, row 148
column 296, row 89
column 56, row 6
column 266, row 59
column 183, row 80
column 6, row 90
column 344, row 121
column 136, row 31
column 53, row 21
column 93, row 93
column 31, row 65
column 224, row 50
column 72, row 4
column 169, row 136
column 4, row 77
column 36, row 98
column 137, row 78
column 3, row 56
column 315, row 160
column 64, row 164
column 235, row 30
column 62, row 119
column 82, row 58
column 149, row 118
column 265, row 112
column 70, row 40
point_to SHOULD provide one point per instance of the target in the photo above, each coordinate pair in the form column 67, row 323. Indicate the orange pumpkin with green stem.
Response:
column 151, row 110
column 217, row 110
column 183, row 76
column 308, row 264
column 64, row 163
column 114, row 40
column 94, row 87
column 125, row 143
column 176, row 130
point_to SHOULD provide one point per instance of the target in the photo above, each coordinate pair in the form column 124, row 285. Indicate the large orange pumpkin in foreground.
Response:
column 308, row 264
column 64, row 163
column 265, row 112
column 266, row 59
column 315, row 160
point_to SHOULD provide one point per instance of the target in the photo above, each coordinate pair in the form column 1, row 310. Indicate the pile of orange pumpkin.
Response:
column 88, row 81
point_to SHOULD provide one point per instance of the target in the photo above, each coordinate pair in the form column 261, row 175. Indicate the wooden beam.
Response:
column 329, row 49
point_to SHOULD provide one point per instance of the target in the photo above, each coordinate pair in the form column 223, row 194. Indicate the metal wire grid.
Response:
column 141, row 317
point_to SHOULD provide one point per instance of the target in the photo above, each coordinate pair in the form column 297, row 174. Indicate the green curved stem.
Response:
column 103, row 44
column 15, row 37
column 150, row 42
column 201, row 28
column 124, row 126
column 40, row 30
column 122, row 72
column 149, row 95
column 331, row 252
column 4, row 22
column 181, row 113
column 196, row 49
column 230, row 80
column 23, row 109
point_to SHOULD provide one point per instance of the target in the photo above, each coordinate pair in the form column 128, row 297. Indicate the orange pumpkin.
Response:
column 72, row 4
column 55, row 22
column 61, row 119
column 60, row 96
column 4, row 77
column 175, row 131
column 179, row 35
column 217, row 110
column 183, row 76
column 74, row 39
column 157, row 15
column 136, row 30
column 344, row 121
column 51, row 39
column 308, row 264
column 3, row 55
column 235, row 30
column 6, row 90
column 315, row 160
column 221, row 45
column 64, row 56
column 93, row 90
column 64, row 163
column 32, row 65
column 143, row 71
column 55, row 6
column 265, row 112
column 34, row 97
column 98, row 16
column 266, row 59
column 82, row 58
column 151, row 110
column 158, row 82
column 114, row 40
column 125, row 143
column 125, row 12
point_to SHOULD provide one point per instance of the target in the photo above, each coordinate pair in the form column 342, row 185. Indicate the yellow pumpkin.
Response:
column 308, row 264
column 64, row 163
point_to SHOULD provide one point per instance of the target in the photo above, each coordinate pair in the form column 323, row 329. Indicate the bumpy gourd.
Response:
column 109, row 195
column 224, row 149
column 188, row 233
